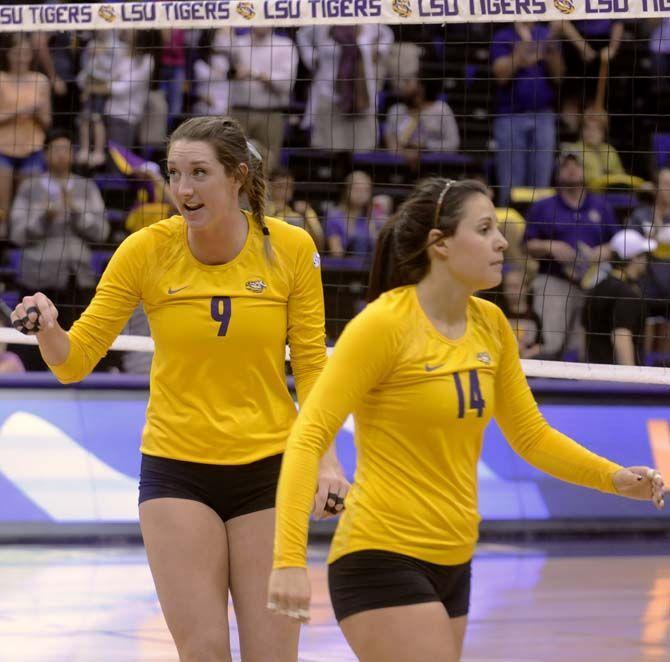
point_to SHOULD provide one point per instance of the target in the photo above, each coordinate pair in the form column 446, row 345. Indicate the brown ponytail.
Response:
column 231, row 147
column 401, row 256
column 384, row 269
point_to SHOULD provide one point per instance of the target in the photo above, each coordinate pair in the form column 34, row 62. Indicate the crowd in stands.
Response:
column 346, row 119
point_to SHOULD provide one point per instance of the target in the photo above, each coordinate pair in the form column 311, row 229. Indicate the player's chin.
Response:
column 493, row 279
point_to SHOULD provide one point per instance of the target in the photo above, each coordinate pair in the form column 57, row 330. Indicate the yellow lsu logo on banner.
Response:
column 107, row 13
column 246, row 10
column 565, row 6
column 402, row 8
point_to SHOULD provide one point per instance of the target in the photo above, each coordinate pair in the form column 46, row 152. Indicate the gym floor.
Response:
column 592, row 601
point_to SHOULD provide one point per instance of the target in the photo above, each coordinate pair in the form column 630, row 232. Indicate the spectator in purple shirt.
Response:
column 350, row 227
column 567, row 233
column 527, row 65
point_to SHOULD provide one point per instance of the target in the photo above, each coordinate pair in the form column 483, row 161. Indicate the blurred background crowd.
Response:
column 566, row 123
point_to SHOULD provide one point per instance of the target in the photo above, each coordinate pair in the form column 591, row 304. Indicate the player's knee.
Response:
column 211, row 646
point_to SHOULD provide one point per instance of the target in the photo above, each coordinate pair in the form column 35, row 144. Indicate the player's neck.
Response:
column 445, row 301
column 221, row 242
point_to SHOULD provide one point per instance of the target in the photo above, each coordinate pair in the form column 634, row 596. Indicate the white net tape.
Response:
column 532, row 368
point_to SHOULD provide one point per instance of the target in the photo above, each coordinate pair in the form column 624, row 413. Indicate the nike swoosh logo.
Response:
column 179, row 289
column 432, row 368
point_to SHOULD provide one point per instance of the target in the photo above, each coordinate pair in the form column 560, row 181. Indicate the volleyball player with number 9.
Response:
column 423, row 368
column 223, row 290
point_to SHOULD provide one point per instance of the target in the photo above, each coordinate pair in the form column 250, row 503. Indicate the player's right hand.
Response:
column 289, row 593
column 34, row 314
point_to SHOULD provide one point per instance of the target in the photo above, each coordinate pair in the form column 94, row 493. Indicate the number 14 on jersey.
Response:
column 477, row 402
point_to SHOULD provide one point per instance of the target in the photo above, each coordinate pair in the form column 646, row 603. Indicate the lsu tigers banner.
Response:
column 277, row 13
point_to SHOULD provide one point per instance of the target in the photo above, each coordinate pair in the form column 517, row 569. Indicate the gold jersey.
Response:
column 218, row 390
column 421, row 403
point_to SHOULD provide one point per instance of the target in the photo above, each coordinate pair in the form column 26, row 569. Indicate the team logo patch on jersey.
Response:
column 246, row 10
column 107, row 13
column 402, row 8
column 316, row 260
column 484, row 357
column 256, row 286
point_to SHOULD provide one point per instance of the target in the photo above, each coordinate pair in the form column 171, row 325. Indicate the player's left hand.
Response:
column 641, row 483
column 332, row 488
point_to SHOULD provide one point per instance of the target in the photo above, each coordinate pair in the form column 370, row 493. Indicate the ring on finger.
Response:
column 332, row 496
column 22, row 326
column 36, row 323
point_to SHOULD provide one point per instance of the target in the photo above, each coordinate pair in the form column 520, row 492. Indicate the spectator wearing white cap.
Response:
column 614, row 312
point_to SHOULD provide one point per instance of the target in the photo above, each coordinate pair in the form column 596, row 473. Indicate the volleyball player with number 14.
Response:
column 423, row 368
column 223, row 289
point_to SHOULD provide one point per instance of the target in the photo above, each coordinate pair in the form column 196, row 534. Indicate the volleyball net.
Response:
column 558, row 106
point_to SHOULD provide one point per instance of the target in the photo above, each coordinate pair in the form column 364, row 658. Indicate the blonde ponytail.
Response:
column 255, row 188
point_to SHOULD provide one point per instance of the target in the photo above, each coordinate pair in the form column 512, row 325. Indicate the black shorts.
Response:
column 229, row 490
column 374, row 579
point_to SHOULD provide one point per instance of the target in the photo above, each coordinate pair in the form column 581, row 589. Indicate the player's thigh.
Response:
column 409, row 633
column 264, row 636
column 458, row 627
column 187, row 548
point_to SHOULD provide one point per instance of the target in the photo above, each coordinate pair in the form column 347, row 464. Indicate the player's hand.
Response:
column 641, row 483
column 289, row 593
column 34, row 314
column 332, row 488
